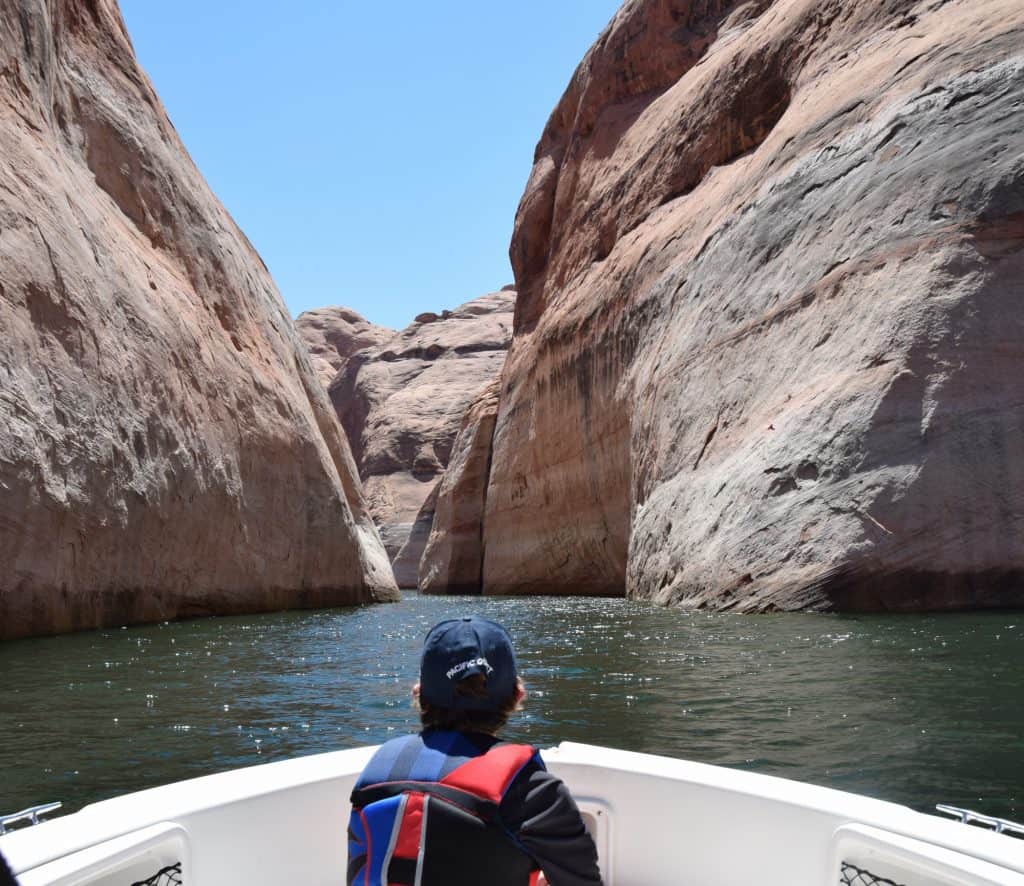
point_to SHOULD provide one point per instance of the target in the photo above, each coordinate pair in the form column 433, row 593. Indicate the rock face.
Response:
column 770, row 264
column 401, row 404
column 165, row 448
column 332, row 335
column 452, row 561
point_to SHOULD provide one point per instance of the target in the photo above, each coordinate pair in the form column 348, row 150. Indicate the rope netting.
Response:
column 169, row 876
column 851, row 875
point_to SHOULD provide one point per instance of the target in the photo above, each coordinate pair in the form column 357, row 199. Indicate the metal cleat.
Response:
column 31, row 815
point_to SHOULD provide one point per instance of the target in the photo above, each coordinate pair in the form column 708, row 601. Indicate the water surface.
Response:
column 914, row 709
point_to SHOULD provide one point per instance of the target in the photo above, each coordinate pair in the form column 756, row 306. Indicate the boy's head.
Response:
column 468, row 678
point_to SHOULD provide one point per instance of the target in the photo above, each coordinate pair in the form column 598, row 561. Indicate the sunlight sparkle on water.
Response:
column 859, row 703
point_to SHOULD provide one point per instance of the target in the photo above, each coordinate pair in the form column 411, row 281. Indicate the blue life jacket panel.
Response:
column 426, row 813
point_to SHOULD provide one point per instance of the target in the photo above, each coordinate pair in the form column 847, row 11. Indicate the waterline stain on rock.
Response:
column 165, row 450
column 770, row 265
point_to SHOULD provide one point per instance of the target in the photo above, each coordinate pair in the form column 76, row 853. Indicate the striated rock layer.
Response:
column 165, row 448
column 401, row 404
column 770, row 264
column 332, row 335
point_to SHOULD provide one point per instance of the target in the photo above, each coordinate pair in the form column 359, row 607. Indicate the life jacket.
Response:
column 425, row 812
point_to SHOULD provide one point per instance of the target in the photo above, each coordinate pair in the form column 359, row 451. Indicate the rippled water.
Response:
column 915, row 709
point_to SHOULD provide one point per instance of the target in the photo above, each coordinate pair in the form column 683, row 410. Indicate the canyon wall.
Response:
column 401, row 404
column 770, row 264
column 165, row 447
column 452, row 560
column 332, row 335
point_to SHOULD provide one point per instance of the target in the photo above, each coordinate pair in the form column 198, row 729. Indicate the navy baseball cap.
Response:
column 460, row 647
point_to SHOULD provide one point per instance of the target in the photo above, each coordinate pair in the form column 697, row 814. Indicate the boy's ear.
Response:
column 520, row 691
column 416, row 691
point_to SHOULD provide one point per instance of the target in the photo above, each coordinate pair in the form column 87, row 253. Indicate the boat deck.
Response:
column 655, row 821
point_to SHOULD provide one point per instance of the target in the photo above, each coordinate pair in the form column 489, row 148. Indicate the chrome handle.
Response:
column 969, row 816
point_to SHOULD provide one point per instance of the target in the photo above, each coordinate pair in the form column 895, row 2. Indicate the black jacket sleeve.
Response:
column 6, row 877
column 539, row 810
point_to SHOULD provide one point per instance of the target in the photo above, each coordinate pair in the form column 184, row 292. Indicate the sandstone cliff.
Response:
column 452, row 561
column 332, row 335
column 771, row 299
column 165, row 448
column 401, row 404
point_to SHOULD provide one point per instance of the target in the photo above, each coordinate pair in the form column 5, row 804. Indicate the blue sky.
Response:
column 374, row 154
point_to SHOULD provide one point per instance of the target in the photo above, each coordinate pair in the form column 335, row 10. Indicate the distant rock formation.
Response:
column 401, row 404
column 770, row 265
column 332, row 335
column 452, row 562
column 165, row 448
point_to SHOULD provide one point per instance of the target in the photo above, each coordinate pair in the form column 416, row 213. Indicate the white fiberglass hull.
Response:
column 656, row 821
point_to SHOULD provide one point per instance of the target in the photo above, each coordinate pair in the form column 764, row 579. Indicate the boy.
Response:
column 454, row 805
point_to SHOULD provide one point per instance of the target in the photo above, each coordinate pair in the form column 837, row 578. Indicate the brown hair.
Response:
column 460, row 720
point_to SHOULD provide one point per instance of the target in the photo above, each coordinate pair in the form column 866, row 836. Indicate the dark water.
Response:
column 918, row 710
